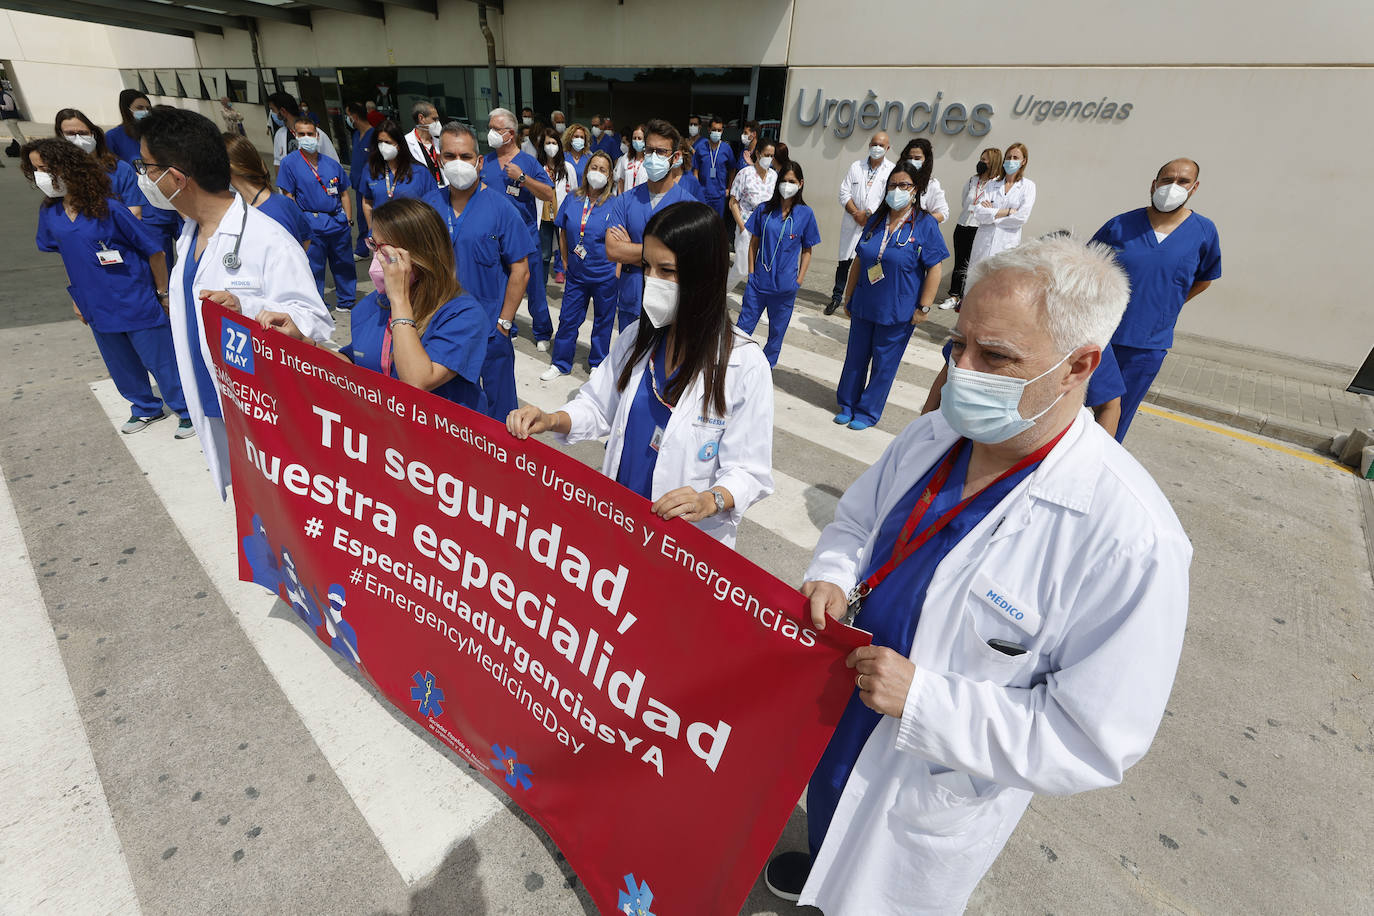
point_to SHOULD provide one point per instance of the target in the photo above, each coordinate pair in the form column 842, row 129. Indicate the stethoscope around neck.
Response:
column 231, row 260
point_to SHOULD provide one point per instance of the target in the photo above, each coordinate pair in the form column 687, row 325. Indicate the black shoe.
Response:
column 833, row 307
column 786, row 875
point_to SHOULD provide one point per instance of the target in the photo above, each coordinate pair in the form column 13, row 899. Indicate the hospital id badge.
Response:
column 875, row 273
column 657, row 440
column 580, row 251
column 108, row 257
column 332, row 191
column 513, row 190
column 713, row 171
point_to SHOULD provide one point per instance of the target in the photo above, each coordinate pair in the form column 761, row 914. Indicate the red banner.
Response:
column 653, row 699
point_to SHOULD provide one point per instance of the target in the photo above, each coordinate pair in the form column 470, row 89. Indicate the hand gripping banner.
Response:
column 654, row 700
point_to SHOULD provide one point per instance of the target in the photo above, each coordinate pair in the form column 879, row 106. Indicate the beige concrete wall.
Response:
column 1275, row 146
column 1060, row 32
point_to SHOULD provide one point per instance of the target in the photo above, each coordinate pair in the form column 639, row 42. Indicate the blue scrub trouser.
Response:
column 870, row 367
column 498, row 377
column 779, row 307
column 1138, row 370
column 334, row 245
column 629, row 289
column 131, row 355
column 364, row 230
column 717, row 204
column 574, row 312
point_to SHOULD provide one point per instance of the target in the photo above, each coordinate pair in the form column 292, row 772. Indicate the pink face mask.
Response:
column 377, row 274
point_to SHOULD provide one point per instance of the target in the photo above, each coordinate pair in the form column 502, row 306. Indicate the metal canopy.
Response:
column 186, row 17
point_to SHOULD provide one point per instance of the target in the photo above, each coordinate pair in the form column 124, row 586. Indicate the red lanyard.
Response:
column 317, row 174
column 889, row 232
column 431, row 154
column 906, row 545
column 586, row 210
column 386, row 349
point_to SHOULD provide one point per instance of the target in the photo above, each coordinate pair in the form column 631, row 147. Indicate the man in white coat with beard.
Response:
column 1026, row 583
column 228, row 252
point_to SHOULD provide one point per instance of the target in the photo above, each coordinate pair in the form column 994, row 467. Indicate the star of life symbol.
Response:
column 636, row 899
column 427, row 694
column 508, row 761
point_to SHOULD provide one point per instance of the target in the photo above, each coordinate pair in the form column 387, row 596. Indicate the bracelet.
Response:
column 162, row 294
column 396, row 321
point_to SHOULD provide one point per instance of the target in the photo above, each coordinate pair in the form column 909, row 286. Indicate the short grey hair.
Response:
column 1083, row 288
column 506, row 115
column 459, row 129
column 555, row 113
column 422, row 108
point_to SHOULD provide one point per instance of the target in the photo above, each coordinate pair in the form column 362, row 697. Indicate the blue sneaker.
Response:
column 859, row 424
column 842, row 418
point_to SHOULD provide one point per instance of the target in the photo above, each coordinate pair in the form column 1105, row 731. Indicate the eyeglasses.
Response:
column 79, row 133
column 902, row 186
column 663, row 151
column 141, row 166
column 373, row 245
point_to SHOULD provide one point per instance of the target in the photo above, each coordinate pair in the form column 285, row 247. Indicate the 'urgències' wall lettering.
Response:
column 919, row 117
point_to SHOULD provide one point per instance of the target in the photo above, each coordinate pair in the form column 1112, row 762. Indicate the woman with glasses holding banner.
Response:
column 418, row 326
column 685, row 398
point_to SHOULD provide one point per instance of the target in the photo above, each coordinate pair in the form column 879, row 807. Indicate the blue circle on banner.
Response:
column 708, row 451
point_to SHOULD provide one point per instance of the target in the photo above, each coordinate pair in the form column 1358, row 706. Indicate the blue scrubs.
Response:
column 377, row 191
column 632, row 211
column 713, row 168
column 1161, row 274
column 609, row 143
column 284, row 210
column 891, row 613
column 494, row 177
column 118, row 301
column 688, row 182
column 645, row 424
column 358, row 158
column 205, row 384
column 319, row 191
column 124, row 182
column 773, row 276
column 488, row 237
column 122, row 145
column 590, row 276
column 579, row 164
column 454, row 338
column 880, row 323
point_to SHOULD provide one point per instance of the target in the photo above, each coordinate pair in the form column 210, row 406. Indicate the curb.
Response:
column 1296, row 432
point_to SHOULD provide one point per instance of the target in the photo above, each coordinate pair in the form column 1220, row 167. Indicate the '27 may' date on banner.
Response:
column 653, row 699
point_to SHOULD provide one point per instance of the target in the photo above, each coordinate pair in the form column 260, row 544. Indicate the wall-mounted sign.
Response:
column 920, row 117
column 1063, row 109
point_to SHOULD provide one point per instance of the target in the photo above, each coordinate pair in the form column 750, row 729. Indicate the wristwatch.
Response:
column 720, row 500
column 505, row 324
column 521, row 180
column 923, row 309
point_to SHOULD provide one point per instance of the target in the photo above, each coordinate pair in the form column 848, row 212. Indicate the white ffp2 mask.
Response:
column 462, row 175
column 660, row 301
column 1169, row 197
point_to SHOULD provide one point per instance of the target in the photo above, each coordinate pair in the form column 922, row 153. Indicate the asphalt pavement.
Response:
column 173, row 744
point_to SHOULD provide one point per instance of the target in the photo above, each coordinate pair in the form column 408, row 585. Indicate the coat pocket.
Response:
column 941, row 804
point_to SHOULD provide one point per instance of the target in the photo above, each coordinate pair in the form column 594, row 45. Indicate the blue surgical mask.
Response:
column 638, row 145
column 141, row 113
column 578, row 144
column 656, row 166
column 898, row 198
column 308, row 144
column 1012, row 166
column 987, row 408
column 715, row 136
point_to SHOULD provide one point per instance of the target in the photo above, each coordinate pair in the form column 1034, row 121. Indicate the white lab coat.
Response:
column 974, row 189
column 933, row 200
column 279, row 146
column 741, row 460
column 417, row 152
column 561, row 189
column 1089, row 550
column 274, row 275
column 866, row 189
column 995, row 234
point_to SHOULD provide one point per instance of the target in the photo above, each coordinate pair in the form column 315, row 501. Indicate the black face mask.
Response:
column 982, row 168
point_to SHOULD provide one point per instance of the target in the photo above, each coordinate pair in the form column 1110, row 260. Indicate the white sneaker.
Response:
column 542, row 346
column 949, row 303
column 551, row 373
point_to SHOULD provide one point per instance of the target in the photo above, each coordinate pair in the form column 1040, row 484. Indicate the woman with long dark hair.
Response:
column 418, row 326
column 782, row 233
column 392, row 172
column 892, row 283
column 248, row 174
column 685, row 398
column 134, row 106
column 920, row 156
column 71, row 125
column 118, row 277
